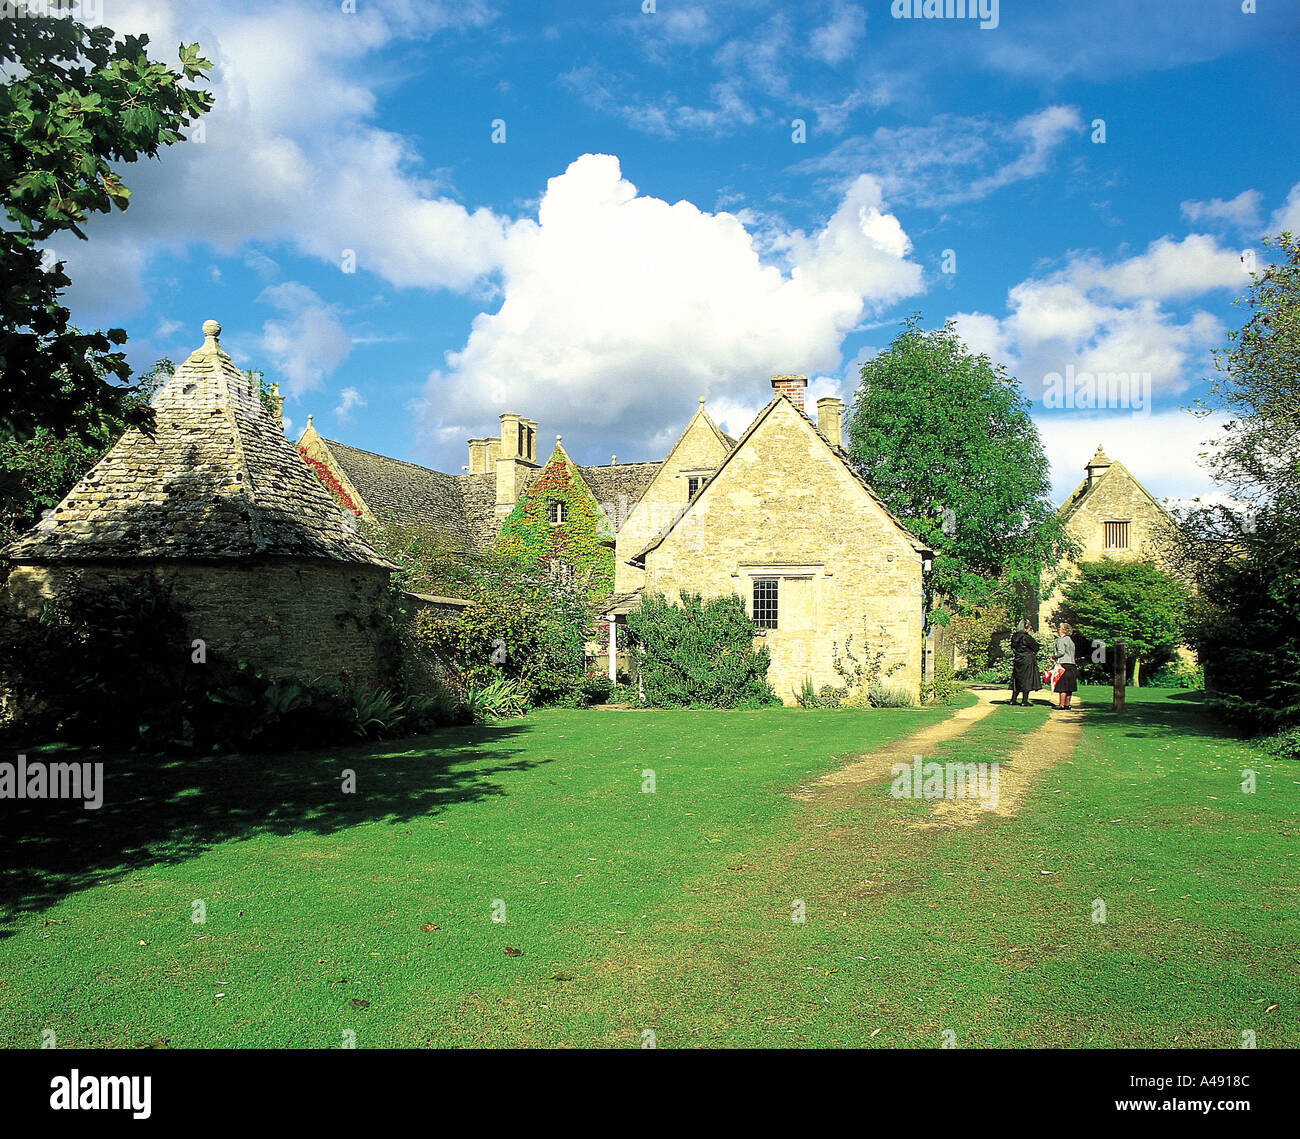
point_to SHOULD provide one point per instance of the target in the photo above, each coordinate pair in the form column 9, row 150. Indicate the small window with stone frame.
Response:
column 766, row 598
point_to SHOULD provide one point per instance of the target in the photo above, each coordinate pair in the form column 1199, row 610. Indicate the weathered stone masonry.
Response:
column 219, row 505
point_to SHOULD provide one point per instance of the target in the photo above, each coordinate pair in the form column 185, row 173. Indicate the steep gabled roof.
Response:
column 609, row 484
column 465, row 506
column 1086, row 489
column 393, row 488
column 216, row 480
column 838, row 452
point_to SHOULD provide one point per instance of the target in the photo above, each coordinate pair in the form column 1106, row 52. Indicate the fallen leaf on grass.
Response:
column 429, row 928
column 510, row 951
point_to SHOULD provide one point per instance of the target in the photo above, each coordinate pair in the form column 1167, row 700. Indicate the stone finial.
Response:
column 310, row 417
column 559, row 438
column 701, row 401
column 211, row 332
column 613, row 460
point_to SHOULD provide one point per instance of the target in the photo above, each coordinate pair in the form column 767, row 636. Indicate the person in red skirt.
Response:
column 1063, row 654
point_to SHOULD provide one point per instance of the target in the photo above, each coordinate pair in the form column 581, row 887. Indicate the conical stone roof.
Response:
column 218, row 480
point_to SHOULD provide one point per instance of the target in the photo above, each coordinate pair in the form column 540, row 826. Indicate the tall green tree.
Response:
column 1246, row 562
column 1257, row 387
column 74, row 103
column 945, row 438
column 36, row 472
column 1133, row 608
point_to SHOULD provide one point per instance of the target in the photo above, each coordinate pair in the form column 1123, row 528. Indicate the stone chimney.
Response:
column 830, row 419
column 515, row 456
column 1097, row 466
column 277, row 403
column 792, row 387
column 478, row 452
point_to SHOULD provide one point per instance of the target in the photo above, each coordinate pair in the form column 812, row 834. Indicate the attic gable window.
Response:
column 694, row 485
column 1115, row 535
column 558, row 512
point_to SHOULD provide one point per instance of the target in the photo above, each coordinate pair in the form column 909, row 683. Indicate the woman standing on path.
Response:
column 1063, row 654
column 1024, row 662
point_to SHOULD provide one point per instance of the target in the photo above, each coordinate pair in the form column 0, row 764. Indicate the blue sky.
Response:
column 652, row 224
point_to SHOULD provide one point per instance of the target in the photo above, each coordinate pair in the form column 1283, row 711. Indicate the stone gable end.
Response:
column 785, row 506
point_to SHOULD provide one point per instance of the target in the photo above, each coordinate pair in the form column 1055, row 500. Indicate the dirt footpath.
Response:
column 1047, row 745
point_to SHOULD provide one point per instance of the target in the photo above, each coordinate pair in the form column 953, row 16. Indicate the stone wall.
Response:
column 785, row 506
column 305, row 620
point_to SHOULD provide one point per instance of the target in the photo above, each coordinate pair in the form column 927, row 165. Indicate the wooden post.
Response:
column 1121, row 677
column 613, row 649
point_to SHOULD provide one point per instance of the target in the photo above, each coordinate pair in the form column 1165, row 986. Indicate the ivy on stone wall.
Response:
column 530, row 537
column 332, row 484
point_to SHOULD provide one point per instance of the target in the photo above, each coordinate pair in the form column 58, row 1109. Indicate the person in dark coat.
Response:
column 1024, row 663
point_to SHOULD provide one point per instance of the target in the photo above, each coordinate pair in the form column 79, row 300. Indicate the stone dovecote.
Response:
column 216, row 502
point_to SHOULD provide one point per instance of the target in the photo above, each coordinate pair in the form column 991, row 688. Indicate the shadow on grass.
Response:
column 164, row 809
column 1174, row 714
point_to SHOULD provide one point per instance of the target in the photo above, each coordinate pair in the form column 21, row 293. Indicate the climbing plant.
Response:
column 574, row 544
column 332, row 484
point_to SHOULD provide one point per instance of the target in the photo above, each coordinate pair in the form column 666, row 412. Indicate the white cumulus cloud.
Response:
column 1099, row 316
column 620, row 309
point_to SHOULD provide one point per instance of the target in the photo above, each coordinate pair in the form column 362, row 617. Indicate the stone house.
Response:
column 785, row 521
column 778, row 517
column 1109, row 515
column 217, row 504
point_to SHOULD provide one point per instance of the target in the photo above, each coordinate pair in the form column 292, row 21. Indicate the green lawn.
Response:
column 667, row 911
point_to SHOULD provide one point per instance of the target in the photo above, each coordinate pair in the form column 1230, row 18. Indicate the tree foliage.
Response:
column 74, row 103
column 1257, row 386
column 1244, row 556
column 1134, row 604
column 36, row 473
column 945, row 438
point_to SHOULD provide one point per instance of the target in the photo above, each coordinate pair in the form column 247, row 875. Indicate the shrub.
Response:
column 889, row 696
column 625, row 694
column 110, row 666
column 1246, row 631
column 524, row 626
column 828, row 696
column 806, row 694
column 105, row 665
column 860, row 673
column 500, row 698
column 1176, row 674
column 1283, row 745
column 699, row 653
column 596, row 687
column 943, row 688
